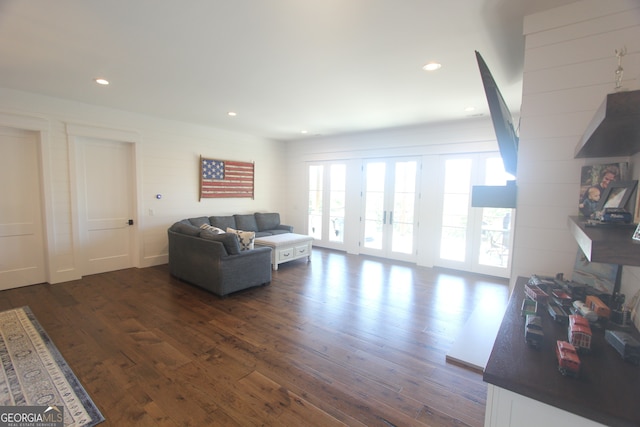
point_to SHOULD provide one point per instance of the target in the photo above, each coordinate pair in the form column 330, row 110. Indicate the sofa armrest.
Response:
column 288, row 228
column 248, row 267
column 191, row 256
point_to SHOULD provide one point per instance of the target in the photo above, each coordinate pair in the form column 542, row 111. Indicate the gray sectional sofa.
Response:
column 216, row 262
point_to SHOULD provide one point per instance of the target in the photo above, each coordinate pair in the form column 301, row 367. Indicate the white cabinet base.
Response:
column 286, row 247
column 506, row 408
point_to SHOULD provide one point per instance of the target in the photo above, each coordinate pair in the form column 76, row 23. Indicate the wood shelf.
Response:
column 615, row 128
column 612, row 245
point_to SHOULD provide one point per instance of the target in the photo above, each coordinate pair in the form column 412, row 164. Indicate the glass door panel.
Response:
column 496, row 236
column 315, row 201
column 337, row 196
column 404, row 202
column 494, row 254
column 375, row 215
column 455, row 210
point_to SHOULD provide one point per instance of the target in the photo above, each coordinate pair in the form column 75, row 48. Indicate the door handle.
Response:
column 390, row 217
column 384, row 217
column 130, row 222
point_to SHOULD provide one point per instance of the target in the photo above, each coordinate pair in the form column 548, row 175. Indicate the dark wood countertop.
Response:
column 606, row 391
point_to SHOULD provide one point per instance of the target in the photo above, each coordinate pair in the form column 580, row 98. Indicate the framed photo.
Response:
column 594, row 180
column 616, row 195
column 636, row 234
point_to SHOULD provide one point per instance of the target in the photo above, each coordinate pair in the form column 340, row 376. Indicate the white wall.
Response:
column 569, row 68
column 167, row 163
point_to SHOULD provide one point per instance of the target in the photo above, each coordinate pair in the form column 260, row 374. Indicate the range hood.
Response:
column 615, row 128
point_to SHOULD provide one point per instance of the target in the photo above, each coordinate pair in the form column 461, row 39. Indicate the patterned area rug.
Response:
column 34, row 372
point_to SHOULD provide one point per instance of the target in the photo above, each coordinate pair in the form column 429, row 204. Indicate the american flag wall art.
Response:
column 225, row 178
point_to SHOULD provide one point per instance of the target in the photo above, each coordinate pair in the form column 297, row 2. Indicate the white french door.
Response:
column 389, row 216
column 327, row 199
column 474, row 239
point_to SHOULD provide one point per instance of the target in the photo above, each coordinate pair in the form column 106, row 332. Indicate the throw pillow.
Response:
column 245, row 238
column 211, row 228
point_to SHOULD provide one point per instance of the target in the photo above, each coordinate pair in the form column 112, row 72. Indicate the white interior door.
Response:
column 106, row 204
column 22, row 254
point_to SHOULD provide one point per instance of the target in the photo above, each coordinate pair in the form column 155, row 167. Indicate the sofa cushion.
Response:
column 228, row 240
column 223, row 222
column 199, row 221
column 185, row 227
column 245, row 238
column 246, row 222
column 267, row 221
column 279, row 231
column 214, row 230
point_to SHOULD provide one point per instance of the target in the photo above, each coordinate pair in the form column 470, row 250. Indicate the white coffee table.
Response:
column 286, row 247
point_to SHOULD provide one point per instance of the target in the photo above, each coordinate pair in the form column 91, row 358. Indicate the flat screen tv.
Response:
column 501, row 118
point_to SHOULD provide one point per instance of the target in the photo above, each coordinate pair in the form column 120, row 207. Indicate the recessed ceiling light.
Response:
column 101, row 81
column 468, row 109
column 232, row 114
column 303, row 131
column 432, row 66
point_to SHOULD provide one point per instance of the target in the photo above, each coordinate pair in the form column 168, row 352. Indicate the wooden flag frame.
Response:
column 226, row 179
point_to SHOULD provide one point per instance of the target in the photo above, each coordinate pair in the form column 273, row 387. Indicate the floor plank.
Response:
column 342, row 340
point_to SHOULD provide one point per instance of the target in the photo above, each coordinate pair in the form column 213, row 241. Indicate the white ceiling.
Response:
column 325, row 66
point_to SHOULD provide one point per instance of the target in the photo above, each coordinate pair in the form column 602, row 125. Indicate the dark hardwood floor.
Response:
column 343, row 340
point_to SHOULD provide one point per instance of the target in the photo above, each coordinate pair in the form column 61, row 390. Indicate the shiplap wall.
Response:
column 167, row 163
column 569, row 69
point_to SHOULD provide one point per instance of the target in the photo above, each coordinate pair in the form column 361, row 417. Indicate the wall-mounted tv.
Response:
column 501, row 118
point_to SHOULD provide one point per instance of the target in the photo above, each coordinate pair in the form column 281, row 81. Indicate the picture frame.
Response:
column 594, row 180
column 226, row 179
column 598, row 275
column 617, row 194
